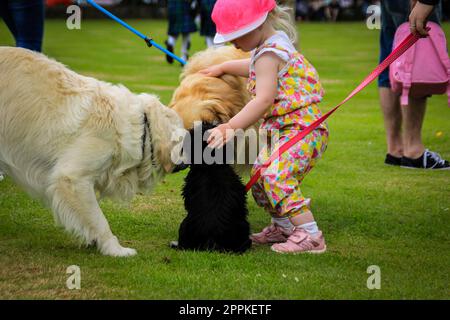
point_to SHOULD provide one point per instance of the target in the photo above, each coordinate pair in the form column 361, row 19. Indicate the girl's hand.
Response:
column 220, row 135
column 213, row 71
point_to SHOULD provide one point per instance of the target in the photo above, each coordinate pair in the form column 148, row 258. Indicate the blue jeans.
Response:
column 25, row 20
column 393, row 14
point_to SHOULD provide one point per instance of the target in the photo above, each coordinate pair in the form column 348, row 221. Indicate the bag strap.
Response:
column 443, row 56
column 407, row 79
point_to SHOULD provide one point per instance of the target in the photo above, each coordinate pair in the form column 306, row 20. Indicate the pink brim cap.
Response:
column 222, row 38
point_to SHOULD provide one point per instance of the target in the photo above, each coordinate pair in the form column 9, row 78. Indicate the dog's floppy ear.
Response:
column 163, row 123
column 177, row 160
column 180, row 153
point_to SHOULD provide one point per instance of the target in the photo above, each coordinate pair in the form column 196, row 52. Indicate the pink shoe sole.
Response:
column 268, row 242
column 300, row 252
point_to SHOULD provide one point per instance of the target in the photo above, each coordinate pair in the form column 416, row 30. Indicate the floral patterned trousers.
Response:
column 278, row 189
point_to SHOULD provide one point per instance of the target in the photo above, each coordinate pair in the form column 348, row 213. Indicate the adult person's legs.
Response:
column 185, row 46
column 170, row 45
column 403, row 125
column 181, row 21
column 413, row 116
column 390, row 105
column 414, row 153
column 391, row 17
column 25, row 20
column 207, row 26
column 409, row 142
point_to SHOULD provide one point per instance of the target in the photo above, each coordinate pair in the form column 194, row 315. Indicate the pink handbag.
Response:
column 425, row 68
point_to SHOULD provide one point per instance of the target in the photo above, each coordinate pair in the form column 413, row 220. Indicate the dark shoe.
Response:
column 393, row 161
column 169, row 48
column 429, row 160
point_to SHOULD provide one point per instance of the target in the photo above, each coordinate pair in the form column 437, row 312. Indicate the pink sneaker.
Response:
column 271, row 234
column 301, row 241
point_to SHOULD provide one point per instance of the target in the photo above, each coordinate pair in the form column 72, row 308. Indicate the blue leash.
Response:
column 147, row 40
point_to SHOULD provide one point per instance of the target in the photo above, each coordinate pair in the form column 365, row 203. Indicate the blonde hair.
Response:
column 281, row 19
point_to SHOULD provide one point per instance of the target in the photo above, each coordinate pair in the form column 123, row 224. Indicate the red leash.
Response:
column 405, row 45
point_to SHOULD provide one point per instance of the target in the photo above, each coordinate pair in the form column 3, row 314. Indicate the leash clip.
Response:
column 148, row 41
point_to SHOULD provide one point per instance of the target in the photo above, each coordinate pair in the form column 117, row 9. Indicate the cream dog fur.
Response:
column 64, row 137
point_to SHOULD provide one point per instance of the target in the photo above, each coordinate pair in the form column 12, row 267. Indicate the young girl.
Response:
column 286, row 91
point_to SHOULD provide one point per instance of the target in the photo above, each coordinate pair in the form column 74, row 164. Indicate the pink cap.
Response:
column 235, row 18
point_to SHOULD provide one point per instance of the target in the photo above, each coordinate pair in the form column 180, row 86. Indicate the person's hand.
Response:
column 418, row 17
column 213, row 71
column 220, row 135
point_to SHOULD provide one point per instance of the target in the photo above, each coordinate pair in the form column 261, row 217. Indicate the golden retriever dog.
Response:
column 209, row 99
column 67, row 139
column 214, row 100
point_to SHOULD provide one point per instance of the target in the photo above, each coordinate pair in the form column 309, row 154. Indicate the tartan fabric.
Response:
column 207, row 26
column 180, row 17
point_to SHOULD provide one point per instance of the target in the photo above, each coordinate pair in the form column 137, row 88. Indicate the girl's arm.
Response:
column 266, row 68
column 233, row 67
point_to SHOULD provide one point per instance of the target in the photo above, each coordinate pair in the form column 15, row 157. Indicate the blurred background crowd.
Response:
column 309, row 10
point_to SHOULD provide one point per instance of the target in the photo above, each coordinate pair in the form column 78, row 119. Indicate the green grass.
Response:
column 371, row 214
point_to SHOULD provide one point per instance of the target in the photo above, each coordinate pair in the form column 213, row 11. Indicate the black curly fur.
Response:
column 216, row 205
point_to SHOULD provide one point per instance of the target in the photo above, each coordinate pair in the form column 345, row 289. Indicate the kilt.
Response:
column 180, row 17
column 207, row 26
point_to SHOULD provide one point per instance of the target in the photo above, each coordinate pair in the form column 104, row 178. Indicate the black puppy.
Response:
column 215, row 200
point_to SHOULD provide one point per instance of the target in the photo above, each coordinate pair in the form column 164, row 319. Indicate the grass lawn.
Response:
column 371, row 214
